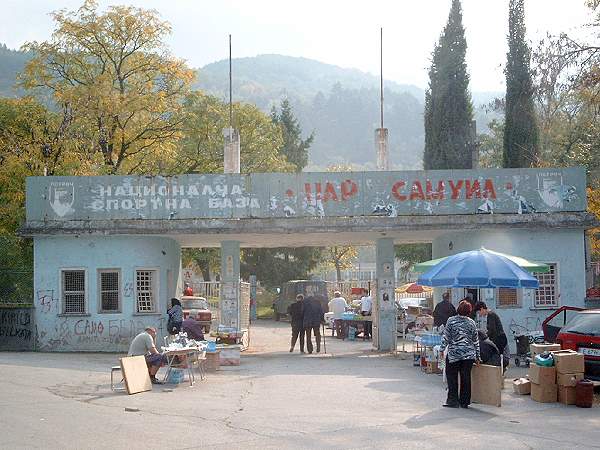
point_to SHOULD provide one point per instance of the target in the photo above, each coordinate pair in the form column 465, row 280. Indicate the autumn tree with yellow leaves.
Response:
column 112, row 77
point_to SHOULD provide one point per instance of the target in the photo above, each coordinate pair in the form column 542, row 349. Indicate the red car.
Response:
column 197, row 308
column 581, row 333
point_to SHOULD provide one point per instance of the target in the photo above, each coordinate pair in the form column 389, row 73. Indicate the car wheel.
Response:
column 517, row 362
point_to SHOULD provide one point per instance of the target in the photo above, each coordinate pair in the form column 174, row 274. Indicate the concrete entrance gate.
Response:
column 129, row 230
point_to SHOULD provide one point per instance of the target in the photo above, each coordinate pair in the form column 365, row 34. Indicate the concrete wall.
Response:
column 16, row 328
column 562, row 246
column 95, row 331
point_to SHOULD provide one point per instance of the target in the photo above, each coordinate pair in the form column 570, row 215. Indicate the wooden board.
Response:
column 486, row 385
column 135, row 374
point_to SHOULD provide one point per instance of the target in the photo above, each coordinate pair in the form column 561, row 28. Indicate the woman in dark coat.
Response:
column 175, row 313
column 461, row 340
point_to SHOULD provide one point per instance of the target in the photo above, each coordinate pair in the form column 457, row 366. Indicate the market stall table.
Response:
column 343, row 325
column 180, row 358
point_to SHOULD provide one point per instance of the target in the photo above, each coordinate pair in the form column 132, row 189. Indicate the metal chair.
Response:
column 115, row 387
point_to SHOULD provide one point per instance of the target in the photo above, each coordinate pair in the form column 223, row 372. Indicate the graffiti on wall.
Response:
column 96, row 333
column 16, row 329
column 525, row 325
column 387, row 194
column 47, row 302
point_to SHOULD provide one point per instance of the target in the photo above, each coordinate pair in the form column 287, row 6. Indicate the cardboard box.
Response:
column 486, row 385
column 567, row 395
column 568, row 379
column 542, row 375
column 536, row 349
column 432, row 367
column 568, row 361
column 522, row 386
column 547, row 393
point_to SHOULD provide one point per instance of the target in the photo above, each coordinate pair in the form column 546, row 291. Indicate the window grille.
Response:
column 507, row 297
column 109, row 290
column 73, row 291
column 546, row 295
column 145, row 286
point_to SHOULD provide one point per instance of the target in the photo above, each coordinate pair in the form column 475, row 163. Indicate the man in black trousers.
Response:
column 313, row 317
column 296, row 312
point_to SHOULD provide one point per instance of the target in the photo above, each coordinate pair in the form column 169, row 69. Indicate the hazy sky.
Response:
column 345, row 33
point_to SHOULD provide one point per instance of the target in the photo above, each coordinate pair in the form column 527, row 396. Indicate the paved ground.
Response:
column 348, row 398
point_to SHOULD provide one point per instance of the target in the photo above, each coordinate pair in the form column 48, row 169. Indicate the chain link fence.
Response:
column 16, row 286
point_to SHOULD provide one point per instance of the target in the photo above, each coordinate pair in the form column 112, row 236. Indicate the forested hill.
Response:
column 11, row 63
column 340, row 105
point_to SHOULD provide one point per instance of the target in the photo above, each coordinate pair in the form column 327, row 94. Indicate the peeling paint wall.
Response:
column 94, row 330
column 564, row 247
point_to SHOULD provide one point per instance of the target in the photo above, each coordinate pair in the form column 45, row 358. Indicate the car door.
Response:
column 555, row 321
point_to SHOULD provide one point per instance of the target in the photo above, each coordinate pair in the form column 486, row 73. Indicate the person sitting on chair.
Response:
column 143, row 345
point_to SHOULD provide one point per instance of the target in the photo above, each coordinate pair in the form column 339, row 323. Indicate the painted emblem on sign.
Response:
column 62, row 196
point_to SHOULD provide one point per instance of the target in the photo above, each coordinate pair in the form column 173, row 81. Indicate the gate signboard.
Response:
column 324, row 194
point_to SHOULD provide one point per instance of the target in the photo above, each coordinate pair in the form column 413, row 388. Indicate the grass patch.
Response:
column 264, row 302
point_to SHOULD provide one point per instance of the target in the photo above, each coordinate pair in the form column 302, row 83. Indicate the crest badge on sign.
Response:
column 62, row 197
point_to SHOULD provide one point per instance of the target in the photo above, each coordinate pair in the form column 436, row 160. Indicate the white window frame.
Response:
column 556, row 304
column 99, row 273
column 156, row 291
column 62, row 291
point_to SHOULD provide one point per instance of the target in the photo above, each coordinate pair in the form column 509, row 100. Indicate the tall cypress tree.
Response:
column 448, row 108
column 521, row 134
column 294, row 147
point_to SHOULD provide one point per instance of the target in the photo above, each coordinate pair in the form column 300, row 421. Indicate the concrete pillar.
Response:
column 231, row 152
column 384, row 328
column 230, row 283
column 381, row 149
column 252, row 298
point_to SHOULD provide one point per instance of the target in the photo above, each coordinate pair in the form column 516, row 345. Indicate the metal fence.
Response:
column 16, row 286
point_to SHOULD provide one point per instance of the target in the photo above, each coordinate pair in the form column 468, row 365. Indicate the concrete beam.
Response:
column 279, row 226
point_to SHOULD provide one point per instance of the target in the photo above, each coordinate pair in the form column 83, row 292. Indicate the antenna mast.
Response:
column 381, row 72
column 230, row 88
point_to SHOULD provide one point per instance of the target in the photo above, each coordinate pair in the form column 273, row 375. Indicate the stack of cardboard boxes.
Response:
column 556, row 383
column 569, row 370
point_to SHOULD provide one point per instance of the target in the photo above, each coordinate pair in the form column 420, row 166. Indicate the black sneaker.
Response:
column 156, row 381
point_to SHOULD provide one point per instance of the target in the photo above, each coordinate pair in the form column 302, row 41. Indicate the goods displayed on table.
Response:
column 427, row 354
column 181, row 342
column 227, row 335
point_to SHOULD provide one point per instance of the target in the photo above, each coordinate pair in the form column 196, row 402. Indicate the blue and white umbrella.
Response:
column 478, row 268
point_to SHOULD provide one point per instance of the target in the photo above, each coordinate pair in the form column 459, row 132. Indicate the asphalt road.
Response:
column 349, row 398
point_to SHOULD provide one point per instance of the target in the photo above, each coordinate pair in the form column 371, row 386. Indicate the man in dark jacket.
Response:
column 313, row 317
column 443, row 311
column 296, row 312
column 495, row 330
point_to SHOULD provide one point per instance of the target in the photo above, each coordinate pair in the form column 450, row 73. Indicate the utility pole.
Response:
column 231, row 150
column 381, row 134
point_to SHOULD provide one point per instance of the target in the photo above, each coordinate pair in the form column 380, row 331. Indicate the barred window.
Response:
column 546, row 294
column 145, row 290
column 73, row 291
column 507, row 298
column 110, row 288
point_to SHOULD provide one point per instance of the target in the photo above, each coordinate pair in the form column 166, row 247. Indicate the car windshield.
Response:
column 584, row 324
column 196, row 303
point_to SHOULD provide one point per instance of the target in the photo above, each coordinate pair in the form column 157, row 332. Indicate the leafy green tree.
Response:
column 448, row 109
column 521, row 134
column 273, row 267
column 295, row 149
column 411, row 254
column 201, row 147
